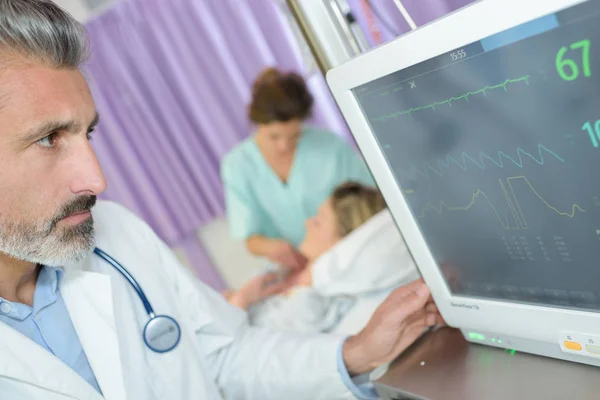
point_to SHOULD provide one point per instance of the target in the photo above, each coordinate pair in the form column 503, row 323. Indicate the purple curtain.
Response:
column 381, row 20
column 171, row 79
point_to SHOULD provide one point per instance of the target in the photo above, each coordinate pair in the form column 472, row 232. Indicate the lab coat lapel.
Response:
column 24, row 360
column 88, row 297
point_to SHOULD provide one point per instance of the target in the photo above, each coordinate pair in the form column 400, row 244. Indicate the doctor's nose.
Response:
column 88, row 178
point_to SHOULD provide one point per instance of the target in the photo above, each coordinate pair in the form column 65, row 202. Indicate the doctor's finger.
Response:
column 432, row 307
column 435, row 318
column 414, row 300
column 426, row 317
column 400, row 319
column 423, row 320
column 401, row 293
column 419, row 316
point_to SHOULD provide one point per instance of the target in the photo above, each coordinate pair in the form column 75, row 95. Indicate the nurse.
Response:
column 277, row 178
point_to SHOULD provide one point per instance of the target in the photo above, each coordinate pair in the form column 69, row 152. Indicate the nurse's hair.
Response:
column 279, row 97
column 354, row 204
column 42, row 32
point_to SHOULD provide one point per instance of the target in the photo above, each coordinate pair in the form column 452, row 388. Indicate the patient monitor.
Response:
column 482, row 130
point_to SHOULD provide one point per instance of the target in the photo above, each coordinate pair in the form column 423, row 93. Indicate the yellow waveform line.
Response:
column 442, row 205
column 515, row 208
column 565, row 214
column 513, row 211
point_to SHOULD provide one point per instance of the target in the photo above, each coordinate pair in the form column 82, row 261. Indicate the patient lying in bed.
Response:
column 356, row 257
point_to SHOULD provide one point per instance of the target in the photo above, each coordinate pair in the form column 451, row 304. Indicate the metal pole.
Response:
column 405, row 14
column 312, row 41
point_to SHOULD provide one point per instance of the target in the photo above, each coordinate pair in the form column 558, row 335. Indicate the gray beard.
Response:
column 48, row 244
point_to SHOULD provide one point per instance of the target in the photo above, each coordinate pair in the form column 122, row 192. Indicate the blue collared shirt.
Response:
column 362, row 391
column 48, row 323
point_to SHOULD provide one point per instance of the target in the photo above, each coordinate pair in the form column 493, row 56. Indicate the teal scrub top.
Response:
column 258, row 202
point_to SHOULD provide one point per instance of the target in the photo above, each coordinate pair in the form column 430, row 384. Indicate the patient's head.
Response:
column 350, row 206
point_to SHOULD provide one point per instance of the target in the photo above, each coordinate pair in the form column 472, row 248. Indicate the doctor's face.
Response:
column 49, row 174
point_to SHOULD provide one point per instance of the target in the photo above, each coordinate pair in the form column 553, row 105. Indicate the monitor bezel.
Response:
column 477, row 21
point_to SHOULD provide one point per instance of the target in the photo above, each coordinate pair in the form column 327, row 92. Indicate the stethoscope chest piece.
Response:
column 162, row 333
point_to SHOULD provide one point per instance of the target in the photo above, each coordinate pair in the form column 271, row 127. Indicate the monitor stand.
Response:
column 442, row 365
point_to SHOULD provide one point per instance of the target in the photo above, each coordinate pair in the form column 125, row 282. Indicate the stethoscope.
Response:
column 161, row 333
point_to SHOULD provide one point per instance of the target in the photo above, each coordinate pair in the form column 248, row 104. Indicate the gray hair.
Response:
column 41, row 31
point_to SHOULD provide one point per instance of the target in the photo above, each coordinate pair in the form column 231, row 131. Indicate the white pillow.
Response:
column 371, row 258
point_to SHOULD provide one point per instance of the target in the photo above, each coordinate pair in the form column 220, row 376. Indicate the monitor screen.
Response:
column 496, row 148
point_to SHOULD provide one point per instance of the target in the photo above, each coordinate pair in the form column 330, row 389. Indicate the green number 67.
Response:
column 568, row 68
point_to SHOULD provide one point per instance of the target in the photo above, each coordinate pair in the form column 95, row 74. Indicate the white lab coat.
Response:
column 219, row 355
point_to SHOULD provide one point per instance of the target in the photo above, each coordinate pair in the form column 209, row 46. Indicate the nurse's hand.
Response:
column 257, row 289
column 283, row 253
column 394, row 326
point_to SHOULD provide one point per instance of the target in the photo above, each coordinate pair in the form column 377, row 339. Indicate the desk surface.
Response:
column 443, row 366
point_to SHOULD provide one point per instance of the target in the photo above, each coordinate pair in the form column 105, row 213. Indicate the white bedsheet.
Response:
column 349, row 283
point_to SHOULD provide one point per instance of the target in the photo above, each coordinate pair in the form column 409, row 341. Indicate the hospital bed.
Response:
column 349, row 282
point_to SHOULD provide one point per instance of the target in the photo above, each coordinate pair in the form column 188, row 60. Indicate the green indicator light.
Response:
column 494, row 340
column 476, row 336
column 512, row 352
column 499, row 341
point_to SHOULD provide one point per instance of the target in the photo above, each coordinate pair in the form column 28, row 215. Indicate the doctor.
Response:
column 71, row 325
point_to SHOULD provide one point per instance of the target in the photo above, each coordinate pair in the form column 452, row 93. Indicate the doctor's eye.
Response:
column 49, row 141
column 89, row 134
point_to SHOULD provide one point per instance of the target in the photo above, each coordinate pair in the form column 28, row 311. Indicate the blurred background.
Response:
column 172, row 80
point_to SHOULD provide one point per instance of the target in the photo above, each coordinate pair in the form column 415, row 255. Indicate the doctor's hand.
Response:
column 283, row 253
column 394, row 326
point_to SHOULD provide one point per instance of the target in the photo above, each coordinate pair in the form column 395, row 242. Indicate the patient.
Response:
column 350, row 206
column 296, row 305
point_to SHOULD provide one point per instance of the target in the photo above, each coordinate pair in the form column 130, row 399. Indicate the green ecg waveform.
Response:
column 449, row 101
column 519, row 221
